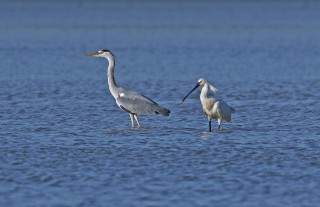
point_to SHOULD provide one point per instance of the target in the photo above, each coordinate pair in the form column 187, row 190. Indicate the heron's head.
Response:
column 101, row 53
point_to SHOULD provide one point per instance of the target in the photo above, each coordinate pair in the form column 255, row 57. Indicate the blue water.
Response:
column 64, row 142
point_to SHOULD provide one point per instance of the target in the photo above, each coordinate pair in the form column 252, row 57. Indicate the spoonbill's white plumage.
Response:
column 212, row 107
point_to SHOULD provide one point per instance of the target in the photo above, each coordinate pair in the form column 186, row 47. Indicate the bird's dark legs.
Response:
column 219, row 127
column 210, row 125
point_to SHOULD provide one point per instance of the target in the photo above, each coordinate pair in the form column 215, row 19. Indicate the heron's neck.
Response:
column 111, row 82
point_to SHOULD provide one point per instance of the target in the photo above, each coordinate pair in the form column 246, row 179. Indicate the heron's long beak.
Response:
column 190, row 92
column 92, row 54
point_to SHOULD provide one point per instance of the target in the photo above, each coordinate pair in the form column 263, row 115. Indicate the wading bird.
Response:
column 213, row 108
column 129, row 101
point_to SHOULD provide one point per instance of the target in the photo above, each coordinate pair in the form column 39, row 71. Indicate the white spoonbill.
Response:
column 213, row 108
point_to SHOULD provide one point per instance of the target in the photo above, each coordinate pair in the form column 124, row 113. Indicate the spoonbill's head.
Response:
column 201, row 82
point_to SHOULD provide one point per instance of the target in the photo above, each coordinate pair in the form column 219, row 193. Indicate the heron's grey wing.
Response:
column 136, row 103
column 125, row 93
column 224, row 111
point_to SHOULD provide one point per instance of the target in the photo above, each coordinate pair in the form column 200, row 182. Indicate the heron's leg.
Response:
column 132, row 122
column 219, row 124
column 136, row 118
column 209, row 125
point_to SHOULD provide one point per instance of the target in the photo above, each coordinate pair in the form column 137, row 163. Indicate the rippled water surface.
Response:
column 64, row 142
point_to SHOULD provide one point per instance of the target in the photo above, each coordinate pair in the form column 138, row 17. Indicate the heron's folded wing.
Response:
column 133, row 102
column 131, row 94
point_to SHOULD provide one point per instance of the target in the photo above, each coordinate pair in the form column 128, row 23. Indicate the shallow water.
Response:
column 64, row 142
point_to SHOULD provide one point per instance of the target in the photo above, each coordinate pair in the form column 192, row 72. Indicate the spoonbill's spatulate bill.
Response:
column 128, row 100
column 213, row 108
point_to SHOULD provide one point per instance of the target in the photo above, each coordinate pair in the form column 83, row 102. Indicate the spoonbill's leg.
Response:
column 219, row 123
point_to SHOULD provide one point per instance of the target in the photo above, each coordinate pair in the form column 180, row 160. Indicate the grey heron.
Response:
column 212, row 107
column 129, row 101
